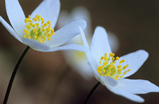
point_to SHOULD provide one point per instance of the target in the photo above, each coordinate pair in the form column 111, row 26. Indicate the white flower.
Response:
column 112, row 71
column 77, row 59
column 37, row 31
column 77, row 13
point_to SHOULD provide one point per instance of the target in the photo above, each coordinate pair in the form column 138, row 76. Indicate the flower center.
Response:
column 38, row 29
column 110, row 68
column 79, row 55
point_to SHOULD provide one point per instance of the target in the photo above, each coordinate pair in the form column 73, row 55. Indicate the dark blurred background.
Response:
column 46, row 78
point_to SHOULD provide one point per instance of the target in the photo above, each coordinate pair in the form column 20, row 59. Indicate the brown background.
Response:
column 45, row 78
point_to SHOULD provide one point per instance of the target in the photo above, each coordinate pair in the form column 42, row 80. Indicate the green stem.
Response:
column 13, row 75
column 90, row 93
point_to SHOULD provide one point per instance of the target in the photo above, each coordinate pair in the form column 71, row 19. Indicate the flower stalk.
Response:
column 14, row 74
column 91, row 92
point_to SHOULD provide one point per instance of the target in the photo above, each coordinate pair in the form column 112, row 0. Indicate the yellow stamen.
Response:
column 108, row 66
column 37, row 29
column 117, row 58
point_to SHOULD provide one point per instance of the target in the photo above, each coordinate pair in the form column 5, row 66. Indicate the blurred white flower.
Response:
column 78, row 59
column 112, row 71
column 37, row 31
column 77, row 13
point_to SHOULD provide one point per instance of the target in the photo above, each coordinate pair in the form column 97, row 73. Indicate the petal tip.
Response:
column 143, row 53
column 83, row 23
column 141, row 101
column 100, row 27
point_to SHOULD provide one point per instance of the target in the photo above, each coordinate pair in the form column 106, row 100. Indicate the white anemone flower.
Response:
column 37, row 30
column 77, row 59
column 112, row 71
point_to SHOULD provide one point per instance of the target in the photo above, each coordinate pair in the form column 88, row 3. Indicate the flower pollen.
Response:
column 38, row 29
column 109, row 68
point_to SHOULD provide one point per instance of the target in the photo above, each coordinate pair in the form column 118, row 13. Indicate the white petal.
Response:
column 67, row 47
column 77, row 39
column 125, row 94
column 100, row 44
column 16, row 15
column 35, row 44
column 85, row 43
column 79, row 63
column 108, row 80
column 113, row 41
column 135, row 60
column 10, row 29
column 137, row 86
column 85, row 70
column 77, row 13
column 91, row 60
column 82, row 13
column 49, row 10
column 93, row 65
column 66, row 33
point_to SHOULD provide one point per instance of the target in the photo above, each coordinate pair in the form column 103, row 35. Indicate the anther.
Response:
column 38, row 30
column 109, row 68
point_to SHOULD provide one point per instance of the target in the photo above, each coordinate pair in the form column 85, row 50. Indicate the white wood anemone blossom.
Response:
column 77, row 59
column 112, row 71
column 37, row 30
